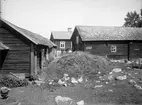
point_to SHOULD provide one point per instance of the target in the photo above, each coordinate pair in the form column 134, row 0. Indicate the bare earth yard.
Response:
column 121, row 87
column 120, row 94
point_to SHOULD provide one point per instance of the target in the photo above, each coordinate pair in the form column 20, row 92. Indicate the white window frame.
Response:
column 62, row 44
column 113, row 48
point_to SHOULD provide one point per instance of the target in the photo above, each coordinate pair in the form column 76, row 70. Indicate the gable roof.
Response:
column 35, row 38
column 61, row 34
column 96, row 33
column 3, row 47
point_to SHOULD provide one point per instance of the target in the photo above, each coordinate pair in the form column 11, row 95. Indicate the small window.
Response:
column 88, row 47
column 71, row 44
column 77, row 39
column 113, row 48
column 62, row 44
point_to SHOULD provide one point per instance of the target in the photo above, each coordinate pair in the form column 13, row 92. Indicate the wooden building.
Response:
column 22, row 51
column 62, row 40
column 113, row 42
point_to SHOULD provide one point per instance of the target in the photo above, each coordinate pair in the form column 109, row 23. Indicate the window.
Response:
column 88, row 47
column 113, row 48
column 77, row 39
column 71, row 44
column 62, row 44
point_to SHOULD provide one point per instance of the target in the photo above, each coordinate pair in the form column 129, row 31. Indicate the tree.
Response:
column 133, row 19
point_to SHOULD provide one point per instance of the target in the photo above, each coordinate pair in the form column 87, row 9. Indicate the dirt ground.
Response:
column 122, row 86
column 113, row 93
column 121, row 95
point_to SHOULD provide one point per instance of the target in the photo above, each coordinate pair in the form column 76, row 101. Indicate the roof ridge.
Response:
column 95, row 26
column 109, row 33
column 108, row 26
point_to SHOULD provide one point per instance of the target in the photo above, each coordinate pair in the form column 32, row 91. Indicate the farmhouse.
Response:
column 113, row 42
column 22, row 51
column 62, row 40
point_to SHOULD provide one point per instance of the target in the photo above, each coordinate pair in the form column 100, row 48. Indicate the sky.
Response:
column 44, row 16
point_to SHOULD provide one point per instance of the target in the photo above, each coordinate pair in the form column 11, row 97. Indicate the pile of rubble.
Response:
column 114, row 76
column 83, row 68
column 66, row 81
column 77, row 65
column 117, row 74
column 91, row 72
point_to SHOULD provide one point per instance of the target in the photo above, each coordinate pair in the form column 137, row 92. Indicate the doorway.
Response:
column 3, row 54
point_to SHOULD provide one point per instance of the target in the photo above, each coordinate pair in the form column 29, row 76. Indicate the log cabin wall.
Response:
column 57, row 42
column 17, row 59
column 125, row 41
column 96, row 48
column 130, row 50
column 77, row 45
column 67, row 44
column 135, row 50
column 121, row 50
column 103, row 48
column 22, row 48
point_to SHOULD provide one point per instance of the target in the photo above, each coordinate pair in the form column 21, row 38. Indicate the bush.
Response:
column 11, row 81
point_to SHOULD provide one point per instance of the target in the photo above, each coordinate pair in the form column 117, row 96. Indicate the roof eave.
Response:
column 19, row 31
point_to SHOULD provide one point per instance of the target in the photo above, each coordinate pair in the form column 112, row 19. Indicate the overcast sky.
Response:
column 44, row 16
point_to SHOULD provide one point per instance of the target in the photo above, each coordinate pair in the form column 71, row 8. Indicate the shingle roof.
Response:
column 35, row 38
column 91, row 33
column 61, row 34
column 3, row 47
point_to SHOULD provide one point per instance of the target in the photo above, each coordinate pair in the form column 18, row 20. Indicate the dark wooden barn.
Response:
column 113, row 42
column 62, row 40
column 22, row 51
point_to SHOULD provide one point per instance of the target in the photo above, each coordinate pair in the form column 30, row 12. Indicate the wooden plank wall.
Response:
column 67, row 44
column 58, row 44
column 103, row 49
column 96, row 48
column 125, row 49
column 77, row 47
column 135, row 50
column 121, row 53
column 18, row 57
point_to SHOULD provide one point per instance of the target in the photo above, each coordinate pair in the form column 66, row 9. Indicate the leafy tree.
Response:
column 133, row 19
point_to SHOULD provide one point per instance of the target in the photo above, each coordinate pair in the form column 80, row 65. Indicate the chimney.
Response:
column 69, row 29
